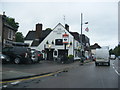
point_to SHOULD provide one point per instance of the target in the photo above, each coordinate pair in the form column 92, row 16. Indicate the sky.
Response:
column 101, row 15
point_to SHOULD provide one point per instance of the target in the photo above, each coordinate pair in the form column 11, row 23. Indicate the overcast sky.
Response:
column 102, row 17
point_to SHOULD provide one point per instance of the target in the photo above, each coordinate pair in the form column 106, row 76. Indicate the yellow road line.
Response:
column 31, row 77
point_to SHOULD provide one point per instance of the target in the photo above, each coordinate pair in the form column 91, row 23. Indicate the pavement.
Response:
column 11, row 73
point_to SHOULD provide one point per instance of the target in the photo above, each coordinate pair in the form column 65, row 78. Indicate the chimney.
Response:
column 38, row 30
column 67, row 27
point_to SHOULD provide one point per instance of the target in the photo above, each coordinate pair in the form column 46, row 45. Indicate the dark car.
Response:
column 40, row 55
column 4, row 59
column 18, row 54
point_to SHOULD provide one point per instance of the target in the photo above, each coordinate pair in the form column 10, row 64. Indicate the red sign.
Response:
column 65, row 38
column 65, row 35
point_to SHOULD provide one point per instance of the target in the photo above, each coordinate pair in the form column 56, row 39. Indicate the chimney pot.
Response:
column 67, row 27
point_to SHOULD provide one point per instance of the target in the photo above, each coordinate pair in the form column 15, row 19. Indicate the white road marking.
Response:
column 15, row 82
column 117, row 72
column 4, row 86
column 115, row 69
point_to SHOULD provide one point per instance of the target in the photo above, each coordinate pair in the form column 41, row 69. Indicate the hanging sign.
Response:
column 65, row 38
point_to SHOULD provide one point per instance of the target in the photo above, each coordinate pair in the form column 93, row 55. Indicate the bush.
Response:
column 70, row 56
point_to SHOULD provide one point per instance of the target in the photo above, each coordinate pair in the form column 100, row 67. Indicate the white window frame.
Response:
column 10, row 34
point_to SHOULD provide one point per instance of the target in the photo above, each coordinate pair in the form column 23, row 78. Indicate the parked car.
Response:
column 40, row 55
column 119, row 57
column 18, row 54
column 113, row 57
column 4, row 58
column 36, row 55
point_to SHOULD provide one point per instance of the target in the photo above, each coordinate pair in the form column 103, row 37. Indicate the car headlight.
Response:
column 2, row 57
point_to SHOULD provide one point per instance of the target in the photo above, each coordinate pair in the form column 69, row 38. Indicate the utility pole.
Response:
column 81, row 35
column 82, row 46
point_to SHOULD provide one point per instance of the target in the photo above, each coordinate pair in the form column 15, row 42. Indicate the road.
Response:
column 86, row 76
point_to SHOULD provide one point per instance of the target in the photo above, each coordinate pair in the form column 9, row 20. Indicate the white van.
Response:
column 102, row 56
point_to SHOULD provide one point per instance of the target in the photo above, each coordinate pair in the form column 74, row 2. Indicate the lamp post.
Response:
column 81, row 32
column 82, row 48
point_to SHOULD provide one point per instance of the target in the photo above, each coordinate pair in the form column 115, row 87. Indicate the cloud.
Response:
column 102, row 17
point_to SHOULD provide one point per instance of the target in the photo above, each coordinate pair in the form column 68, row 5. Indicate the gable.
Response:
column 60, row 29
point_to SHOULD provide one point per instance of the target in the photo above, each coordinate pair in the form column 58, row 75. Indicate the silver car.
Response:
column 34, row 56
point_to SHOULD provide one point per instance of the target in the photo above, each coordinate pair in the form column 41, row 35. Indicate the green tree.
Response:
column 111, row 51
column 48, row 29
column 19, row 37
column 118, row 51
column 115, row 51
column 11, row 21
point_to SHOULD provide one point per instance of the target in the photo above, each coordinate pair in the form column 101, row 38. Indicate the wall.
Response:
column 93, row 51
column 76, row 48
column 28, row 41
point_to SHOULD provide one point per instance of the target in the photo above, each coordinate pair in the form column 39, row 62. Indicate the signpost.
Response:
column 65, row 42
column 65, row 39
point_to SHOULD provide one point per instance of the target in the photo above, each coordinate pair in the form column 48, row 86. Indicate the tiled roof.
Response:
column 76, row 35
column 31, row 36
column 95, row 46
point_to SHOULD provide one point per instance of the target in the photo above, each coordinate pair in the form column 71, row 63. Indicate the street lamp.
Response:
column 82, row 49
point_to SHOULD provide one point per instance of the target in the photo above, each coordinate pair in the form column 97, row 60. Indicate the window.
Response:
column 55, row 53
column 59, row 42
column 76, row 53
column 10, row 34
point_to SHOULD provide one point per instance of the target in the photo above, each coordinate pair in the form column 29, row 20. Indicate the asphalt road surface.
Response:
column 82, row 76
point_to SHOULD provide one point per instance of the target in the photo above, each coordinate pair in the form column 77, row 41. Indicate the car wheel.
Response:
column 29, row 61
column 17, row 60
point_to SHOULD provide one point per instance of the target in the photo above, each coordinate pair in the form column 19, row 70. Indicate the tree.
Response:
column 11, row 22
column 115, row 51
column 111, row 51
column 48, row 29
column 19, row 37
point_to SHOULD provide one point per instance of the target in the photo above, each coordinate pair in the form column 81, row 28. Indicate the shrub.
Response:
column 70, row 56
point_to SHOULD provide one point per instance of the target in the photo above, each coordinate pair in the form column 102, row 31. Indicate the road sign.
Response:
column 65, row 38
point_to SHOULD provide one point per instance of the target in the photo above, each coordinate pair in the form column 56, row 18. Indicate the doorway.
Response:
column 62, row 52
column 49, row 54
